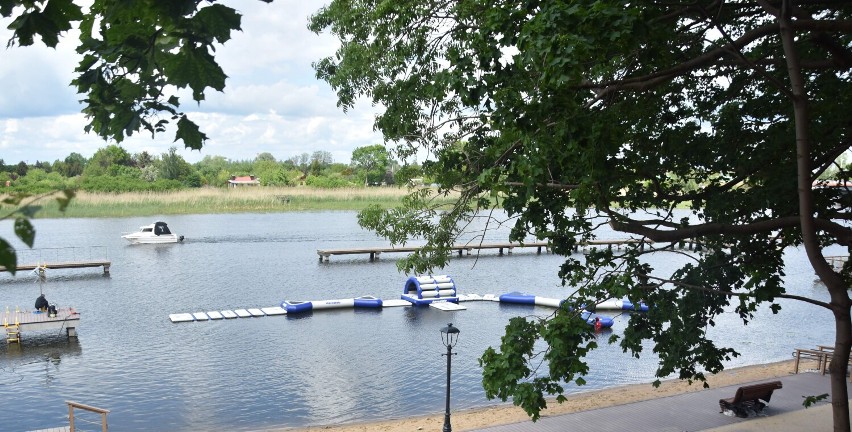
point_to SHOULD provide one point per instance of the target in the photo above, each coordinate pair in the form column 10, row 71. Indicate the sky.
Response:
column 272, row 101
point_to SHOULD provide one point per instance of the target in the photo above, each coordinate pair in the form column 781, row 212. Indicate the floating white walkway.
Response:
column 277, row 310
column 395, row 303
column 227, row 314
column 447, row 306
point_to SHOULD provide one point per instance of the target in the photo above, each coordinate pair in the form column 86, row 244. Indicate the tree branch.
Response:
column 842, row 233
column 731, row 293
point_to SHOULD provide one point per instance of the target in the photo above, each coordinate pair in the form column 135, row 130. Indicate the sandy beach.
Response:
column 505, row 414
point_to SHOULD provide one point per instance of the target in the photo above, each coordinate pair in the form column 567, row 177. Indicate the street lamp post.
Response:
column 450, row 336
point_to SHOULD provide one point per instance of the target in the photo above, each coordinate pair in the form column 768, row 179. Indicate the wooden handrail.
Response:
column 103, row 412
column 823, row 355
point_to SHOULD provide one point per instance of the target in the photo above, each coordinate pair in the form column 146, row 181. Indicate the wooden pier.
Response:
column 64, row 265
column 375, row 252
column 17, row 321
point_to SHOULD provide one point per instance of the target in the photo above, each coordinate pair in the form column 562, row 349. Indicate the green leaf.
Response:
column 218, row 21
column 49, row 23
column 811, row 400
column 25, row 231
column 65, row 200
column 195, row 68
column 190, row 134
column 8, row 258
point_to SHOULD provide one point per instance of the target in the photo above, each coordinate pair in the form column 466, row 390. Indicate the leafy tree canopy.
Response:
column 568, row 115
column 265, row 156
column 133, row 56
column 173, row 166
column 373, row 160
column 74, row 164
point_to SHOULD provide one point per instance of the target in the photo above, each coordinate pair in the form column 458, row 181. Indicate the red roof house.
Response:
column 249, row 180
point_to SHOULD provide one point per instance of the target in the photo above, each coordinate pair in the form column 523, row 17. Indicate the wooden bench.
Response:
column 750, row 397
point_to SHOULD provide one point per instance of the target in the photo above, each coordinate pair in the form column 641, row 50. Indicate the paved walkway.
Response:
column 698, row 411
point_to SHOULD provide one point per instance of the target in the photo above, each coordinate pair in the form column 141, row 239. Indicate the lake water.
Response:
column 329, row 367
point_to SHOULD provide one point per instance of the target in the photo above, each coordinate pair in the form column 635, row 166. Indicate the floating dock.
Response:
column 18, row 321
column 445, row 304
column 227, row 314
column 64, row 265
column 375, row 252
column 437, row 291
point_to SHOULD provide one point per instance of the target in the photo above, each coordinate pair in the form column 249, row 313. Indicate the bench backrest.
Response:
column 757, row 391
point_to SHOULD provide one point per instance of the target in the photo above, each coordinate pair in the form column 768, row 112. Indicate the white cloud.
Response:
column 272, row 101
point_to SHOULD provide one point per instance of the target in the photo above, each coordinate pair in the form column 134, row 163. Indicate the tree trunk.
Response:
column 837, row 288
column 839, row 363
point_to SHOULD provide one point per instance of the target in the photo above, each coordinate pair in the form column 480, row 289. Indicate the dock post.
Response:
column 106, row 268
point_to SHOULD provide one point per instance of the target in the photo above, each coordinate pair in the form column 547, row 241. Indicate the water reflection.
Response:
column 38, row 361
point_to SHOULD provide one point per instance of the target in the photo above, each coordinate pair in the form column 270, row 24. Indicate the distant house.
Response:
column 237, row 181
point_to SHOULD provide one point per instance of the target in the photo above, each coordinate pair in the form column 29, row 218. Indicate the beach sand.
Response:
column 465, row 420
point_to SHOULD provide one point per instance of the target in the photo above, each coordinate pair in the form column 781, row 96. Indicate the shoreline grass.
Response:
column 218, row 201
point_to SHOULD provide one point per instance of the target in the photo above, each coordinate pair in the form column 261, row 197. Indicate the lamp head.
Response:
column 450, row 335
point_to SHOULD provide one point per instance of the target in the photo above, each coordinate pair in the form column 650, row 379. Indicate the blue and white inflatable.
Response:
column 624, row 305
column 529, row 299
column 422, row 290
column 521, row 298
column 307, row 306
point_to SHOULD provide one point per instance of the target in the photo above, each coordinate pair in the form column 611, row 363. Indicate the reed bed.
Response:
column 220, row 200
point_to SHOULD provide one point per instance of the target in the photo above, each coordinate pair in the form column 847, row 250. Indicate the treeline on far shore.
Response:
column 112, row 169
column 209, row 200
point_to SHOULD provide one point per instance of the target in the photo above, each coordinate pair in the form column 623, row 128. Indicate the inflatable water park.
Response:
column 438, row 291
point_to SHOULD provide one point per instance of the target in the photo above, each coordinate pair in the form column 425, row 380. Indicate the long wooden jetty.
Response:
column 375, row 252
column 17, row 321
column 65, row 265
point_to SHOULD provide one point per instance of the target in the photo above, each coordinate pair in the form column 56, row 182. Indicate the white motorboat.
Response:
column 156, row 233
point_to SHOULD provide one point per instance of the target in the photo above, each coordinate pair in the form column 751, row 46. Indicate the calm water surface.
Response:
column 329, row 367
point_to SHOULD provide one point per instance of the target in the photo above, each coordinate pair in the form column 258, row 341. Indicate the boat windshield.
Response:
column 161, row 228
